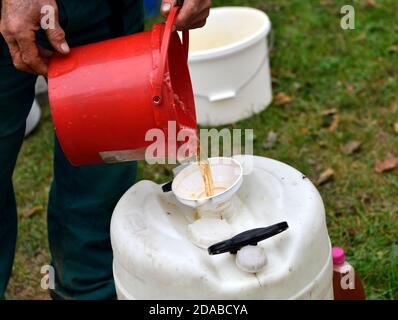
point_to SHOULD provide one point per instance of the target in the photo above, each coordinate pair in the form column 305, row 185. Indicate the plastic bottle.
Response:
column 346, row 283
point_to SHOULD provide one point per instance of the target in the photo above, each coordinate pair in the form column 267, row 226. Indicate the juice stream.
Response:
column 205, row 170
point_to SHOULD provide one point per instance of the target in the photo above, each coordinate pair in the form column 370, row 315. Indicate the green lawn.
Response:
column 320, row 67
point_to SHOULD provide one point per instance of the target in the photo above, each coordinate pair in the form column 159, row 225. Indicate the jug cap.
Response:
column 251, row 259
column 338, row 255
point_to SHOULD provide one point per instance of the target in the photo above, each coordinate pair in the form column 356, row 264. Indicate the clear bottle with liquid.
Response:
column 346, row 283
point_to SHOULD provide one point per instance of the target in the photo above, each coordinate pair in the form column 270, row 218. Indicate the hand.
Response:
column 20, row 20
column 192, row 15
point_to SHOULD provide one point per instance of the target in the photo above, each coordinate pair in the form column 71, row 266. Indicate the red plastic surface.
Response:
column 102, row 95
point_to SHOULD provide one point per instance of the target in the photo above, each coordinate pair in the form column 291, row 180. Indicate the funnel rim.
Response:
column 209, row 198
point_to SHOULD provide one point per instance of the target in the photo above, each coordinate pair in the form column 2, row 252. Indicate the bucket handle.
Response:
column 157, row 97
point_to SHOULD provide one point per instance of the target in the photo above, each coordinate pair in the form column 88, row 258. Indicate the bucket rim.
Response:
column 238, row 45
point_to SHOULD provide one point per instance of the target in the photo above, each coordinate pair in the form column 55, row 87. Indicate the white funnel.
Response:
column 189, row 188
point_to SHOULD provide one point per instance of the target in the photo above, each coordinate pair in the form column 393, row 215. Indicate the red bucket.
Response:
column 105, row 97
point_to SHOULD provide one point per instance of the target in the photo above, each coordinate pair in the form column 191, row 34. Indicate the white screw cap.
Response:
column 251, row 259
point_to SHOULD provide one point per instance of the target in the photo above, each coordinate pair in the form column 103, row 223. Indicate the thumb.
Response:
column 166, row 7
column 56, row 36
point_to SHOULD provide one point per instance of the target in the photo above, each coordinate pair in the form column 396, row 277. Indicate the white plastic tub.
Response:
column 41, row 85
column 33, row 118
column 229, row 65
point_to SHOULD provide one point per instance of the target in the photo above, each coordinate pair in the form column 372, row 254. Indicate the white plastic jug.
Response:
column 157, row 255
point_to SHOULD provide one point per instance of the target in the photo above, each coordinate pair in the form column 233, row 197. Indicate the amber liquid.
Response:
column 348, row 294
column 205, row 170
column 216, row 192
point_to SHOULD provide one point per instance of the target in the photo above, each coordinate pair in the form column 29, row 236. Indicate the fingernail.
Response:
column 166, row 7
column 65, row 48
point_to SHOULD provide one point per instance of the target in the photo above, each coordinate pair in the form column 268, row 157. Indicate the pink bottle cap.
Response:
column 338, row 255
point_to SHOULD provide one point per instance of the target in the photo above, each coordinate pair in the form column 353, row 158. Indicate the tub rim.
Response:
column 238, row 45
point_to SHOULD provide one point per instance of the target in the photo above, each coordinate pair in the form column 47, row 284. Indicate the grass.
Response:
column 321, row 67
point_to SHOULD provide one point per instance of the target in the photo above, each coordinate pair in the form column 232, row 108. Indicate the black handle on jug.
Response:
column 250, row 237
column 167, row 186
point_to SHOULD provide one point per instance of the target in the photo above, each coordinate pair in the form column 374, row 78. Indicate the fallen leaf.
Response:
column 350, row 89
column 381, row 82
column 325, row 2
column 304, row 130
column 282, row 99
column 335, row 123
column 270, row 140
column 351, row 147
column 393, row 49
column 329, row 112
column 386, row 165
column 288, row 74
column 31, row 212
column 322, row 144
column 396, row 127
column 370, row 3
column 325, row 176
column 361, row 37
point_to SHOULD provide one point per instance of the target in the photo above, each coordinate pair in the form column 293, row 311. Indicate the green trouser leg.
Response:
column 81, row 199
column 16, row 98
column 81, row 203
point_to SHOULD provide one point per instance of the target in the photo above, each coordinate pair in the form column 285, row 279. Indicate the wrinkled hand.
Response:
column 192, row 15
column 20, row 20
